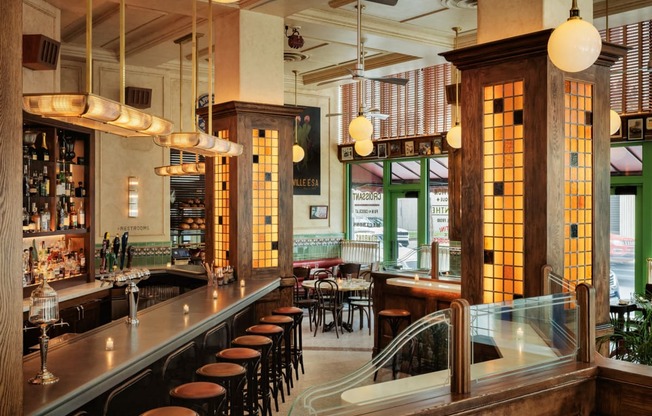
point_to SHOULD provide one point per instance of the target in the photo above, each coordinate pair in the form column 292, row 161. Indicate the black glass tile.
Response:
column 573, row 230
column 224, row 186
column 274, row 245
column 499, row 188
column 588, row 118
column 226, row 253
column 255, row 158
column 224, row 160
column 574, row 159
column 261, row 133
column 219, row 220
column 488, row 257
column 268, row 177
column 499, row 105
column 268, row 220
column 518, row 117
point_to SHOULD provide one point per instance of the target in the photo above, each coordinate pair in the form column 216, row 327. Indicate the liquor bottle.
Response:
column 26, row 181
column 80, row 191
column 44, row 153
column 45, row 185
column 26, row 219
column 60, row 187
column 61, row 214
column 36, row 218
column 33, row 185
column 33, row 153
column 45, row 218
column 81, row 216
column 66, row 218
column 72, row 216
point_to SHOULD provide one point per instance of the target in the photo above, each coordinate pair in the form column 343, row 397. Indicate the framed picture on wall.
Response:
column 395, row 149
column 318, row 212
column 409, row 148
column 425, row 148
column 635, row 129
column 382, row 150
column 436, row 146
column 347, row 153
column 648, row 128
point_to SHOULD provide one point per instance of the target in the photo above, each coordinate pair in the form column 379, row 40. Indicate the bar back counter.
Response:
column 119, row 368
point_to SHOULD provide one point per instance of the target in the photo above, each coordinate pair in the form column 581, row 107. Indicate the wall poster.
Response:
column 307, row 173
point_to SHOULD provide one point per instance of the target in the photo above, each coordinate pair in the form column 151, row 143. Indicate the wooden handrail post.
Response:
column 434, row 260
column 586, row 301
column 461, row 366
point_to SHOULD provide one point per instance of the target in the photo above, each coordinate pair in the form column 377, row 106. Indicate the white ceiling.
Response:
column 412, row 31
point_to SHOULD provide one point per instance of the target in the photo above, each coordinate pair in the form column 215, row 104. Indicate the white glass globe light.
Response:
column 614, row 122
column 574, row 45
column 454, row 137
column 361, row 128
column 297, row 153
column 364, row 147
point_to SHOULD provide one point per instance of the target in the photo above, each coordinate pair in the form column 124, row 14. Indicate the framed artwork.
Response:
column 382, row 150
column 307, row 172
column 425, row 148
column 347, row 153
column 409, row 148
column 635, row 129
column 395, row 149
column 318, row 212
column 648, row 128
column 436, row 146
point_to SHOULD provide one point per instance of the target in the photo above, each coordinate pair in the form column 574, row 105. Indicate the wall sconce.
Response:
column 133, row 196
column 295, row 40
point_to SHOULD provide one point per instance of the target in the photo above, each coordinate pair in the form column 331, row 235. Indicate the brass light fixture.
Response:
column 454, row 135
column 614, row 118
column 297, row 151
column 198, row 142
column 360, row 128
column 93, row 111
column 295, row 40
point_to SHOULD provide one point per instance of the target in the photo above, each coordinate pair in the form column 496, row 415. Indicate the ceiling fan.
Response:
column 358, row 72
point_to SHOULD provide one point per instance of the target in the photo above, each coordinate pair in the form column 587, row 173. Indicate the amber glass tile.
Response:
column 221, row 204
column 265, row 198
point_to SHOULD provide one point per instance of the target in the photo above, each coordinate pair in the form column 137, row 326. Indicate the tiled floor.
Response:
column 328, row 358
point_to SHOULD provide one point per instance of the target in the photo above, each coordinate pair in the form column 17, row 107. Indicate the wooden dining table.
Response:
column 344, row 286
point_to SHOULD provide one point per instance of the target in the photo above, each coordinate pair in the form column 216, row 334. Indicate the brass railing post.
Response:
column 461, row 366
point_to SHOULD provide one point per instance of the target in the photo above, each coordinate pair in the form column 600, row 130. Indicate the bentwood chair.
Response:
column 364, row 304
column 322, row 274
column 345, row 269
column 328, row 300
column 303, row 300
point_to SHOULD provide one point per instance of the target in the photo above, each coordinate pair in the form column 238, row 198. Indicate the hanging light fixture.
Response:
column 360, row 128
column 575, row 44
column 614, row 117
column 197, row 141
column 93, row 111
column 454, row 135
column 297, row 151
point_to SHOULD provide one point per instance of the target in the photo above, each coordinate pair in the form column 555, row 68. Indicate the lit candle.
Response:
column 519, row 333
column 168, row 264
column 214, row 294
column 416, row 277
column 242, row 283
column 109, row 344
column 186, row 309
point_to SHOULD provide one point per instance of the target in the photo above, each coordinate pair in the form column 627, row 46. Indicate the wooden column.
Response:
column 538, row 96
column 246, row 123
column 11, row 388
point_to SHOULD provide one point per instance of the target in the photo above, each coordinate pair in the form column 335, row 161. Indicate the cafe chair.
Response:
column 328, row 300
column 363, row 304
column 303, row 301
column 322, row 274
column 345, row 269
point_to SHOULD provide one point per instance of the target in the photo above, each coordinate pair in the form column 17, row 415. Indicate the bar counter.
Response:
column 86, row 369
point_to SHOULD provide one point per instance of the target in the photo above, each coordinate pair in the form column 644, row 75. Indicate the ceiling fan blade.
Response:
column 379, row 116
column 385, row 2
column 332, row 81
column 395, row 81
column 333, row 114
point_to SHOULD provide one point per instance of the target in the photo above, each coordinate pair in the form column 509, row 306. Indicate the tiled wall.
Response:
column 316, row 246
column 145, row 254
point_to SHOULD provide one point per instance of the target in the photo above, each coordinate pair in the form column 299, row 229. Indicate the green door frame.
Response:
column 643, row 233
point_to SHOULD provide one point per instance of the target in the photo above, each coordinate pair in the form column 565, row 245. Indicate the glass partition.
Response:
column 523, row 335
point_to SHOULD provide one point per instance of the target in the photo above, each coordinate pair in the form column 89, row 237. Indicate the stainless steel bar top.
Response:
column 86, row 369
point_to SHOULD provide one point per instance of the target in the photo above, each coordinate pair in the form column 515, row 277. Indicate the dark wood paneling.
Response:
column 11, row 388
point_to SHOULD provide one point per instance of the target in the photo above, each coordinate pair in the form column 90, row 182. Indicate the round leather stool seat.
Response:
column 394, row 318
column 197, row 390
column 287, row 310
column 170, row 411
column 251, row 341
column 232, row 377
column 238, row 354
column 206, row 397
column 394, row 313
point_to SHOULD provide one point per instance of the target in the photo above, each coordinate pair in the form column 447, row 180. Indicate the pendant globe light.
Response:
column 575, row 44
column 360, row 128
column 454, row 135
column 297, row 151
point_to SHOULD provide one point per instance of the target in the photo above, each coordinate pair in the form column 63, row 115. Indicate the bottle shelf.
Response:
column 73, row 231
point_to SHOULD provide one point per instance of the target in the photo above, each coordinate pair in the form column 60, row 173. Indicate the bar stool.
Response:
column 170, row 411
column 232, row 377
column 264, row 345
column 275, row 333
column 250, row 360
column 199, row 395
column 394, row 318
column 286, row 323
column 297, row 334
